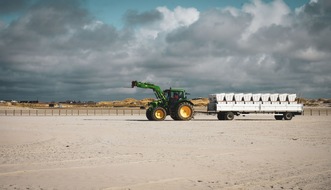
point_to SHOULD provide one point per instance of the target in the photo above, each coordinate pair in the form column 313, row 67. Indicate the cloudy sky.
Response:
column 54, row 50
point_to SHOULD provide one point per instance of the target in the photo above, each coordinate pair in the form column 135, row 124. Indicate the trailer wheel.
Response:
column 220, row 116
column 288, row 116
column 159, row 114
column 279, row 117
column 185, row 111
column 229, row 115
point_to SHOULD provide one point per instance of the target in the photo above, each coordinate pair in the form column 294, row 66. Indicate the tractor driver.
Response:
column 176, row 97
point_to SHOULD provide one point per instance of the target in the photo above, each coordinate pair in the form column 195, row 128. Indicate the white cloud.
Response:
column 178, row 18
column 266, row 14
column 93, row 25
column 311, row 54
column 171, row 20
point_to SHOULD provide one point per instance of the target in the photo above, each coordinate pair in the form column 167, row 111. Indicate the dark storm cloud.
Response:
column 315, row 18
column 285, row 57
column 12, row 6
column 216, row 32
column 55, row 17
column 57, row 50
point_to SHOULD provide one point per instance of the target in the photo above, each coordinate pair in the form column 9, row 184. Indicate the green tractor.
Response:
column 171, row 102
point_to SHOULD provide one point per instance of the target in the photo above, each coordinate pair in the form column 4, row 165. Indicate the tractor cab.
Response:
column 174, row 95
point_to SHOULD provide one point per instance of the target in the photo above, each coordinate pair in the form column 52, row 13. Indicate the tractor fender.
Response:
column 181, row 101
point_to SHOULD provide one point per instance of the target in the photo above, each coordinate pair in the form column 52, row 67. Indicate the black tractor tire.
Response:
column 228, row 115
column 149, row 114
column 288, row 116
column 220, row 116
column 279, row 117
column 185, row 111
column 159, row 114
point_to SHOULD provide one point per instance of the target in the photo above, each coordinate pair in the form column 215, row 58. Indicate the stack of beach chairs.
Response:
column 250, row 98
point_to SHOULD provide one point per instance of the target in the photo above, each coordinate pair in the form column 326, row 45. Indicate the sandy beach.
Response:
column 129, row 152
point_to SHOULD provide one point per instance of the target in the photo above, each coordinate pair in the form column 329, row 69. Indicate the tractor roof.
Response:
column 174, row 89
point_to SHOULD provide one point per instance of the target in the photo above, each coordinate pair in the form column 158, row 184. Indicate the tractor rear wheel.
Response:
column 185, row 111
column 159, row 114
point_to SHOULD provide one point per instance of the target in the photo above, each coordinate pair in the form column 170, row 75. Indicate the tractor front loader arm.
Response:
column 145, row 85
column 157, row 90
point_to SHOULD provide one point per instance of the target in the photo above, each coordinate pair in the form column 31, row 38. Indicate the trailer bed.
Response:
column 255, row 107
column 227, row 105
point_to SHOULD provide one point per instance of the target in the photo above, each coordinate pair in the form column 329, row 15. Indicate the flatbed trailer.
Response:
column 227, row 105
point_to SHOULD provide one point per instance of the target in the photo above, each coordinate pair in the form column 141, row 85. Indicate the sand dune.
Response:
column 129, row 152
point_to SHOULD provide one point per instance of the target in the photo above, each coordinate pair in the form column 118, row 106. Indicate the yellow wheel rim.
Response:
column 185, row 111
column 159, row 114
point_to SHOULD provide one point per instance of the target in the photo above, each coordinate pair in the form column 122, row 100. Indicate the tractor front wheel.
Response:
column 159, row 114
column 185, row 111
